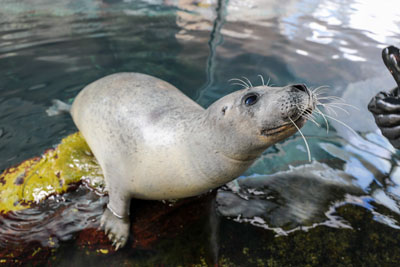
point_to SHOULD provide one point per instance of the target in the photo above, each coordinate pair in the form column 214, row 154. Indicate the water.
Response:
column 341, row 208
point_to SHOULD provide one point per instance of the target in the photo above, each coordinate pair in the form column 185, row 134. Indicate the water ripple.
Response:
column 57, row 219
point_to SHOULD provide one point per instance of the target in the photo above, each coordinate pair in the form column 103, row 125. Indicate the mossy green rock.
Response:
column 35, row 179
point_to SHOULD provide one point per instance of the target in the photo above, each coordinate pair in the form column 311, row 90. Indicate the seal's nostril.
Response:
column 301, row 87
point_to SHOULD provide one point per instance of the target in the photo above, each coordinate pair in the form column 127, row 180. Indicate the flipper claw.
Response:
column 116, row 229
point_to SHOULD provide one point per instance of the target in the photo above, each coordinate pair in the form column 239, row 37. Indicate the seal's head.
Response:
column 258, row 117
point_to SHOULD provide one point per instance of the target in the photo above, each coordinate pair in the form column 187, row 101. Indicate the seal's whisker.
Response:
column 305, row 141
column 304, row 110
column 332, row 110
column 262, row 79
column 240, row 81
column 307, row 114
column 308, row 117
column 321, row 92
column 245, row 85
column 320, row 87
column 337, row 103
column 247, row 81
column 332, row 97
column 269, row 79
column 337, row 107
column 323, row 116
column 343, row 104
column 327, row 107
column 322, row 96
column 344, row 124
column 312, row 118
column 314, row 91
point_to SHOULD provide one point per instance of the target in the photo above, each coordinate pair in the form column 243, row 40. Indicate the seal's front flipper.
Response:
column 115, row 220
column 115, row 227
column 58, row 108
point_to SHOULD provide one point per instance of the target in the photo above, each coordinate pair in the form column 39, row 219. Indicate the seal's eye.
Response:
column 250, row 99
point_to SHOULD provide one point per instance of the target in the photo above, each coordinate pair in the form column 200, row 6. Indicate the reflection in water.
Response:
column 303, row 196
column 57, row 219
column 51, row 50
column 306, row 196
column 215, row 40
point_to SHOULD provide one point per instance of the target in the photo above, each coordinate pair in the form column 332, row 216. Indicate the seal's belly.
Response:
column 167, row 187
column 166, row 175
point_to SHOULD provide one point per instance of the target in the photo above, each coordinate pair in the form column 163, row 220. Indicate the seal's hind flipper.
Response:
column 58, row 108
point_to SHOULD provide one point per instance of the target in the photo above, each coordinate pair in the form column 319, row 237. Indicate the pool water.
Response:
column 343, row 207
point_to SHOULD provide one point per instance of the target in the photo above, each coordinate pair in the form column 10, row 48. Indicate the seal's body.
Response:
column 153, row 142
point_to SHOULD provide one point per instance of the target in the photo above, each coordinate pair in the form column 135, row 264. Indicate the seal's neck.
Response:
column 215, row 152
column 221, row 141
column 226, row 136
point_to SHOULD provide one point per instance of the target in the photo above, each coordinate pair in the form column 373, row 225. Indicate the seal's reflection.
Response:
column 301, row 197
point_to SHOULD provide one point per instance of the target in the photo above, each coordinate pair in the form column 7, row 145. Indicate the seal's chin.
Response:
column 300, row 121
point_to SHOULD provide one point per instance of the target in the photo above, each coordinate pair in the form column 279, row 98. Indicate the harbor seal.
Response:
column 153, row 142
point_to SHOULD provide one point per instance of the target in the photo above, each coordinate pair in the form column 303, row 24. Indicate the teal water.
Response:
column 351, row 189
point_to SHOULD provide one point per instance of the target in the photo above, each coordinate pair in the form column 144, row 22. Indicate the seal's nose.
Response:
column 301, row 87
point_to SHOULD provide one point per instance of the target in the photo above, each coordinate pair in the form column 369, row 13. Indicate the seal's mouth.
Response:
column 282, row 128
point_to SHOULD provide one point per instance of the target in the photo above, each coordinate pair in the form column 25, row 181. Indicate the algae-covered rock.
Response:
column 35, row 179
